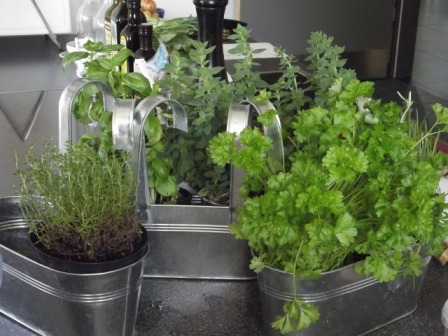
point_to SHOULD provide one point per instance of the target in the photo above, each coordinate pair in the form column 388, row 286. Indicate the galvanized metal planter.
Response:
column 195, row 242
column 58, row 303
column 186, row 241
column 349, row 304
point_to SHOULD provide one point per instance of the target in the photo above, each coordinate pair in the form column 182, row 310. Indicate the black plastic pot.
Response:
column 80, row 267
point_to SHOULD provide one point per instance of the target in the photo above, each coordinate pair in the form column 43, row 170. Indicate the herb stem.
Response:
column 425, row 137
column 295, row 268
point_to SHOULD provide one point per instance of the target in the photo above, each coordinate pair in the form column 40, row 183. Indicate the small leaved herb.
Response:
column 79, row 202
column 361, row 178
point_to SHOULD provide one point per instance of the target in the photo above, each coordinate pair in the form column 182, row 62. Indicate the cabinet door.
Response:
column 20, row 17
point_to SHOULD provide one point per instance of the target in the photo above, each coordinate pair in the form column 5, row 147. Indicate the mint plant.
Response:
column 206, row 100
column 361, row 179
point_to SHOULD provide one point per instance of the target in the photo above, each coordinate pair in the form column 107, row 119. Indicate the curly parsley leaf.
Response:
column 299, row 315
column 345, row 229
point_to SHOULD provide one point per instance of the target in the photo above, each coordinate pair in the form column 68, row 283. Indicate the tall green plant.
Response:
column 206, row 99
column 362, row 179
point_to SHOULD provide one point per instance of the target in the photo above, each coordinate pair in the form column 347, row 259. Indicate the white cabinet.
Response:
column 20, row 17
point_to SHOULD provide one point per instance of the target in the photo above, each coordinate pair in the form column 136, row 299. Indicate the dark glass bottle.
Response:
column 129, row 35
column 107, row 21
column 119, row 20
column 145, row 36
column 210, row 27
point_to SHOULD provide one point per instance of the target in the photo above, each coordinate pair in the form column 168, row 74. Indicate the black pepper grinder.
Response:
column 210, row 27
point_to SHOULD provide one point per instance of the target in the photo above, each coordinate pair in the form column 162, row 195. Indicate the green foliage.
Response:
column 79, row 202
column 102, row 63
column 326, row 67
column 361, row 178
column 205, row 97
column 287, row 93
column 298, row 315
column 247, row 82
column 176, row 34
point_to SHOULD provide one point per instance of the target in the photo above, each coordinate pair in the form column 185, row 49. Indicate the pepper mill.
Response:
column 210, row 27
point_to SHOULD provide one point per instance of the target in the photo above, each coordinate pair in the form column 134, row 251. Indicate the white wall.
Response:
column 179, row 8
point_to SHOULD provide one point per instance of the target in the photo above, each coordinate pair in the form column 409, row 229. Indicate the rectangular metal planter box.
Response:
column 195, row 242
column 187, row 241
column 50, row 302
column 349, row 304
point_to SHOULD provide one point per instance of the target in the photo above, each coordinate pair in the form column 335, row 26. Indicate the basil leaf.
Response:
column 138, row 83
column 73, row 57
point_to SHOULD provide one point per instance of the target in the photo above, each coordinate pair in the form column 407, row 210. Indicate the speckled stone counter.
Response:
column 170, row 307
column 192, row 307
column 426, row 320
column 187, row 307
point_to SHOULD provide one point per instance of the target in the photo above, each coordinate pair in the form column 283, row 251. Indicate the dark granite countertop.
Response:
column 174, row 307
column 188, row 307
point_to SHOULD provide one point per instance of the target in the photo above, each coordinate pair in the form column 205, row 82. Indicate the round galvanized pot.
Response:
column 52, row 302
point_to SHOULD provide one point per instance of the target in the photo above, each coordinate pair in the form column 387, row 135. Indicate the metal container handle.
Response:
column 66, row 106
column 128, row 123
column 238, row 119
column 274, row 131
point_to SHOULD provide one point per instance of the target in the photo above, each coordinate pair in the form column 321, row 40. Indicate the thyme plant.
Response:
column 80, row 205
